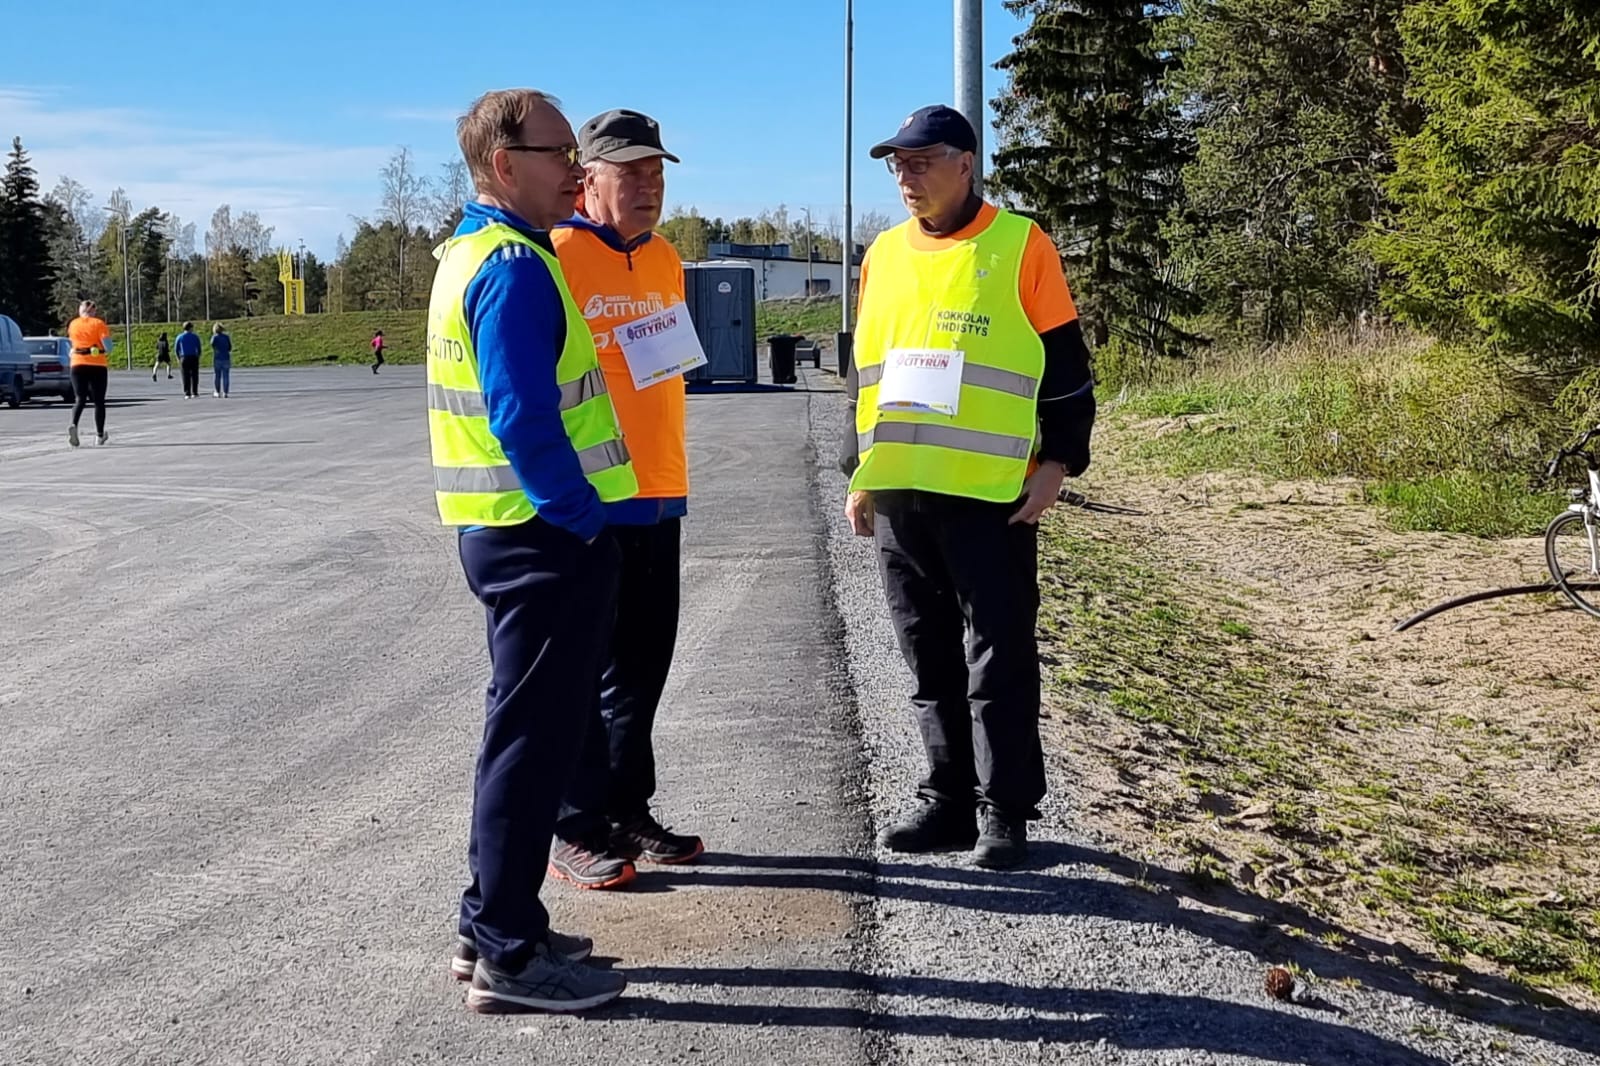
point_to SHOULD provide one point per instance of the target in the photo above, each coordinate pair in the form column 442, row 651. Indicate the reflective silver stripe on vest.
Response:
column 965, row 440
column 600, row 457
column 988, row 377
column 983, row 377
column 466, row 402
column 586, row 388
column 476, row 479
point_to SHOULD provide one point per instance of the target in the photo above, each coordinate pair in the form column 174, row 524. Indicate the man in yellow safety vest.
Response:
column 973, row 399
column 526, row 453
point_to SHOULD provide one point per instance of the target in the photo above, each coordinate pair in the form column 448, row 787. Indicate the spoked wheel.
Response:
column 1574, row 560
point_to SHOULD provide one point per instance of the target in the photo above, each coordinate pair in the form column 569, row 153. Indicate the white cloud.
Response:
column 305, row 191
column 433, row 116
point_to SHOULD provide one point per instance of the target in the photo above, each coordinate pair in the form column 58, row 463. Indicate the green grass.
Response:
column 1145, row 648
column 816, row 319
column 1485, row 505
column 1442, row 438
column 276, row 340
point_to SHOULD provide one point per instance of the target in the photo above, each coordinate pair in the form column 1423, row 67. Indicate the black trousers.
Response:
column 616, row 775
column 89, row 384
column 963, row 593
column 549, row 599
column 190, row 366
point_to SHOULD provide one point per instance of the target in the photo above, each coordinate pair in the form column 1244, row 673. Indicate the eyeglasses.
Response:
column 568, row 150
column 917, row 164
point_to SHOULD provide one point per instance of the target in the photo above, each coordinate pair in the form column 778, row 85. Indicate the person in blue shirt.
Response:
column 221, row 359
column 548, row 585
column 188, row 348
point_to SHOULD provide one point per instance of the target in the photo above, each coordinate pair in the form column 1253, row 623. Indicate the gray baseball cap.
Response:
column 621, row 136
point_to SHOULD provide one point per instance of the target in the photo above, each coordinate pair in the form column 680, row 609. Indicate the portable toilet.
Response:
column 721, row 298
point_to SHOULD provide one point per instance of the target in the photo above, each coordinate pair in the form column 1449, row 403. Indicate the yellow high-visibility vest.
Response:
column 472, row 479
column 964, row 297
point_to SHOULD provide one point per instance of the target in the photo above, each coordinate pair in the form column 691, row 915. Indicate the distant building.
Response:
column 781, row 275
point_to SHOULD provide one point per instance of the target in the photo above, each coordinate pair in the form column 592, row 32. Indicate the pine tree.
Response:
column 1295, row 107
column 26, row 281
column 1091, row 148
column 1498, row 195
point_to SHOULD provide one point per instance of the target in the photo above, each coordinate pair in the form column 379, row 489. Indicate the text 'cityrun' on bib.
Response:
column 660, row 346
column 921, row 379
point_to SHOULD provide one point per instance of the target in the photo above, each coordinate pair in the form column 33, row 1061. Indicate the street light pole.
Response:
column 127, row 296
column 849, row 120
column 127, row 291
column 969, row 75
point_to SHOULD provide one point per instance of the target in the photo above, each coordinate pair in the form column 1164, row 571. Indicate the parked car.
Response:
column 52, row 367
column 16, row 368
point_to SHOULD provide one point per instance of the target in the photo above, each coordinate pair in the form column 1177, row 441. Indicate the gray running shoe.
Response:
column 571, row 948
column 547, row 983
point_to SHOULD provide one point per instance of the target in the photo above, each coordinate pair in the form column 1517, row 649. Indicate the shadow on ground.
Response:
column 1146, row 894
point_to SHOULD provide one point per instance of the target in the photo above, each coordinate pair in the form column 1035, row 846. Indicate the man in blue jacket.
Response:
column 188, row 347
column 526, row 453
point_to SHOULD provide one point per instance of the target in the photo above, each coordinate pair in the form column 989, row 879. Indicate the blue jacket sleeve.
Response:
column 518, row 327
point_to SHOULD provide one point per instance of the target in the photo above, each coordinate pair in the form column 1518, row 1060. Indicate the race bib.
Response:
column 660, row 346
column 921, row 379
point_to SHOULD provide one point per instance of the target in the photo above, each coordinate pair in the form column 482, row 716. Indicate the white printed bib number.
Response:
column 660, row 346
column 921, row 379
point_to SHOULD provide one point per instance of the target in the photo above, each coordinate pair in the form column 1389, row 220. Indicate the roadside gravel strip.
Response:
column 1089, row 956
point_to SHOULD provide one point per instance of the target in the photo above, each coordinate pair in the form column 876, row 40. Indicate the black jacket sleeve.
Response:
column 1066, row 399
column 849, row 456
column 1066, row 403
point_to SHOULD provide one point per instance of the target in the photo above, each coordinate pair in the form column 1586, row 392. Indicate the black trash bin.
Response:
column 782, row 346
column 842, row 344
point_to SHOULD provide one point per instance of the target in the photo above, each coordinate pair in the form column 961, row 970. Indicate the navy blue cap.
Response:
column 928, row 127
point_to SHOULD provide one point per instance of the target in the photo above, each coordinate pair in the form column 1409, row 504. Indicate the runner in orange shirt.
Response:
column 91, row 340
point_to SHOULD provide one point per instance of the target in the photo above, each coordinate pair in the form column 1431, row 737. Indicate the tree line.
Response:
column 1245, row 170
column 149, row 265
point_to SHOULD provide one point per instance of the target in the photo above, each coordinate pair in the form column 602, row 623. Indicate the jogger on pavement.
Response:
column 90, row 370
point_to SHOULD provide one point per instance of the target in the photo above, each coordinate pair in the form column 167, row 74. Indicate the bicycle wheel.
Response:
column 1572, row 566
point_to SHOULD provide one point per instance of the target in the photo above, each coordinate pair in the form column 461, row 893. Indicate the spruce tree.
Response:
column 1498, row 196
column 1295, row 107
column 1091, row 148
column 26, row 279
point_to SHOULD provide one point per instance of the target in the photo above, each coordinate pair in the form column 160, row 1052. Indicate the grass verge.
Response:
column 1252, row 762
column 277, row 340
column 1442, row 438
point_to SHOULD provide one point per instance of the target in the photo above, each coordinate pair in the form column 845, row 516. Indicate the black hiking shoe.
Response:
column 933, row 826
column 590, row 864
column 645, row 839
column 1003, row 844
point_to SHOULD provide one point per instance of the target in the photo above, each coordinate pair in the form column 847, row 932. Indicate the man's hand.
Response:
column 1039, row 492
column 858, row 509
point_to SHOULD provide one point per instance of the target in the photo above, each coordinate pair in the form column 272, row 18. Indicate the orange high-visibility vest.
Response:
column 611, row 289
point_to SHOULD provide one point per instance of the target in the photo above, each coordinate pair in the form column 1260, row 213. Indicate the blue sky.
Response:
column 290, row 110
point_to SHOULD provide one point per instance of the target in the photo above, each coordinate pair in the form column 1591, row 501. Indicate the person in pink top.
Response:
column 377, row 350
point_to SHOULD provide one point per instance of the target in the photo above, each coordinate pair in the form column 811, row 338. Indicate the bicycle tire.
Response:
column 1568, row 587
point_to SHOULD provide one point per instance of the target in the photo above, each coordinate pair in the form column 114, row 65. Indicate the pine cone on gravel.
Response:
column 1280, row 983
